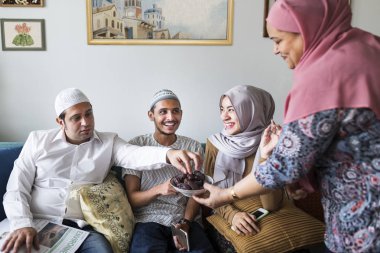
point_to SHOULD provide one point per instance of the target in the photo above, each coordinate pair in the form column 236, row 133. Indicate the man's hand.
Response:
column 181, row 160
column 269, row 139
column 166, row 189
column 244, row 223
column 20, row 237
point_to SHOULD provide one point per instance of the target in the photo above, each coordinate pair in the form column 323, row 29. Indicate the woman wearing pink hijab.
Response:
column 331, row 124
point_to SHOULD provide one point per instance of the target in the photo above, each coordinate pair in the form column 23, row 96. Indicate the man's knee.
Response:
column 95, row 243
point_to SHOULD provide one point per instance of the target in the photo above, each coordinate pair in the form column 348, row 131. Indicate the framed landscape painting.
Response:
column 160, row 22
column 23, row 34
column 22, row 3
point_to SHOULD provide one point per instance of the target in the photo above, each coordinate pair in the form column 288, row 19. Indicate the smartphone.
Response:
column 182, row 236
column 260, row 213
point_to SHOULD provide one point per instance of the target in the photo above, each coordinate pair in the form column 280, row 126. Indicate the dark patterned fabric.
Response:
column 343, row 148
column 219, row 242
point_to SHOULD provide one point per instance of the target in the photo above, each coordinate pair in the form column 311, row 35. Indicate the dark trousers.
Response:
column 154, row 237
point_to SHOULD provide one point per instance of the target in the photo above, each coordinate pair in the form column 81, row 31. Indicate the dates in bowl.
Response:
column 190, row 184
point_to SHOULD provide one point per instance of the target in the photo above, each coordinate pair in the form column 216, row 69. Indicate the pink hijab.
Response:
column 340, row 67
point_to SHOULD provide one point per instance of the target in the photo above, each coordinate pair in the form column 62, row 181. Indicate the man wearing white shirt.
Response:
column 52, row 162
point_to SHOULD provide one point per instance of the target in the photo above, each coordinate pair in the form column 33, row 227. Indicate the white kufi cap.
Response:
column 162, row 95
column 67, row 98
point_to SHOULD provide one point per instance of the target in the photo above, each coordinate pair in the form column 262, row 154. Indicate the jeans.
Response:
column 95, row 241
column 154, row 237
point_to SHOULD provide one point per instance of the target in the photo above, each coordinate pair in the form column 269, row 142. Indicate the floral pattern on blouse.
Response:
column 342, row 146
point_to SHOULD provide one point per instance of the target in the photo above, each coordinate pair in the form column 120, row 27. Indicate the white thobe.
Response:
column 49, row 167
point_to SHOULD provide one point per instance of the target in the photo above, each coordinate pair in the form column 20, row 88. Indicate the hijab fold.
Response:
column 340, row 64
column 254, row 108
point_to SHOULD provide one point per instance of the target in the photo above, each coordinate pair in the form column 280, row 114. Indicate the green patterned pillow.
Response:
column 106, row 208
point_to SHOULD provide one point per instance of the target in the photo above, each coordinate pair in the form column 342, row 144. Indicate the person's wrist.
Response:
column 233, row 194
column 265, row 155
column 167, row 156
column 184, row 224
column 233, row 217
column 262, row 159
column 184, row 221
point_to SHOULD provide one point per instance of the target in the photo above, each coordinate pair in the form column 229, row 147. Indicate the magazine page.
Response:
column 53, row 237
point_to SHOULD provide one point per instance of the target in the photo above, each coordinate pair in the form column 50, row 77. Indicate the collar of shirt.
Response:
column 62, row 137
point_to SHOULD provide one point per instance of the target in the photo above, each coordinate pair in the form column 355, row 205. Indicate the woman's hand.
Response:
column 269, row 139
column 244, row 223
column 214, row 197
column 295, row 191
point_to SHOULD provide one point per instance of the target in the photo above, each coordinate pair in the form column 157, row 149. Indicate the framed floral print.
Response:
column 23, row 34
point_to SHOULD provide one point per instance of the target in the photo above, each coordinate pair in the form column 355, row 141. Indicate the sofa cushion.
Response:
column 106, row 208
column 9, row 151
column 287, row 229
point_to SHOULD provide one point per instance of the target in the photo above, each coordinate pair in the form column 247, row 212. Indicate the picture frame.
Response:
column 22, row 3
column 23, row 34
column 160, row 22
column 267, row 5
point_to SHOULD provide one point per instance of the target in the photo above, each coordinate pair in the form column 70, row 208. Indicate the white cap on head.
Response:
column 162, row 95
column 67, row 98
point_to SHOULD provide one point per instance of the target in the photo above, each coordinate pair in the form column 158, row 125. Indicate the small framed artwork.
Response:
column 267, row 5
column 159, row 22
column 21, row 3
column 23, row 34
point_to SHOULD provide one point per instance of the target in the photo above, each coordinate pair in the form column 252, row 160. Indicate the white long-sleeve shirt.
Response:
column 49, row 167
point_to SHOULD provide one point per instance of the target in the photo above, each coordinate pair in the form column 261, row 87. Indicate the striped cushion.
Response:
column 287, row 229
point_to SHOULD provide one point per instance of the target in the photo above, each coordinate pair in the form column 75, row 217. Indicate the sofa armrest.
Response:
column 9, row 151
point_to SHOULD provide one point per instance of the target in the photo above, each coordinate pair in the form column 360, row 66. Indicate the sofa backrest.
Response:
column 9, row 151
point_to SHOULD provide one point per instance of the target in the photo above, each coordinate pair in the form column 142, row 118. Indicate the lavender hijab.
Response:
column 254, row 108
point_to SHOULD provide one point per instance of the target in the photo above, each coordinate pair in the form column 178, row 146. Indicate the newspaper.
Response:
column 53, row 237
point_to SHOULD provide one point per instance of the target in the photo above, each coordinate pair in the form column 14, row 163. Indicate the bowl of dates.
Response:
column 190, row 184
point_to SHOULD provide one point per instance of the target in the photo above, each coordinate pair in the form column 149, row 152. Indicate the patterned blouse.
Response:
column 343, row 149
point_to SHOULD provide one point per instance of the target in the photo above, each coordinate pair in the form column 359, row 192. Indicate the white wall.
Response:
column 120, row 80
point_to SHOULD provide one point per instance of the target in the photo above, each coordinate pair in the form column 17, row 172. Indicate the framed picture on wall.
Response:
column 267, row 5
column 21, row 3
column 23, row 34
column 159, row 22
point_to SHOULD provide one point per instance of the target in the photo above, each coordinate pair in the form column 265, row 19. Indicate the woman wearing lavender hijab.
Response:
column 245, row 112
column 332, row 121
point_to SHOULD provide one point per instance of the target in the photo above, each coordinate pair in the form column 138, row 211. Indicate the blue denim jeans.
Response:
column 154, row 237
column 95, row 243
